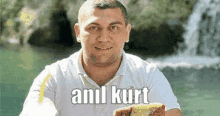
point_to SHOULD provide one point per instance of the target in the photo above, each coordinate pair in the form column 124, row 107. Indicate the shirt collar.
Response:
column 121, row 71
column 80, row 69
column 122, row 68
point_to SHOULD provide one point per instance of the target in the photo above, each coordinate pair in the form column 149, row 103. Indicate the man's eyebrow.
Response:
column 112, row 23
column 116, row 22
column 94, row 23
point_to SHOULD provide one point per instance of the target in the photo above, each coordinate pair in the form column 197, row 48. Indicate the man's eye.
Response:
column 93, row 28
column 113, row 27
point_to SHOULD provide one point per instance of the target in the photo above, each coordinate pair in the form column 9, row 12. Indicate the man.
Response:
column 98, row 68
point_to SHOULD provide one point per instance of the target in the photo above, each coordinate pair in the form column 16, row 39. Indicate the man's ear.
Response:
column 77, row 31
column 128, row 30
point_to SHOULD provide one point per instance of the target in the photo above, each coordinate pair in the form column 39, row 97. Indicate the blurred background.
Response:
column 182, row 37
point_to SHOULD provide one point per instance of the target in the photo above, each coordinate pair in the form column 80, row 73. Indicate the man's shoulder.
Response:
column 137, row 62
column 65, row 61
column 64, row 64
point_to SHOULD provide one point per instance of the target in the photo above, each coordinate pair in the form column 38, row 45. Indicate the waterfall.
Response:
column 193, row 38
column 191, row 35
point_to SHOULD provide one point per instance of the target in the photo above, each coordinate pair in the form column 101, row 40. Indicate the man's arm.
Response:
column 45, row 108
column 36, row 103
column 173, row 112
column 160, row 91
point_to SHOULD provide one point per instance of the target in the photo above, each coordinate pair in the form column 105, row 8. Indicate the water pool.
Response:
column 197, row 89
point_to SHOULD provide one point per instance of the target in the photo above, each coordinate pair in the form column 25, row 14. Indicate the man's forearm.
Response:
column 34, row 108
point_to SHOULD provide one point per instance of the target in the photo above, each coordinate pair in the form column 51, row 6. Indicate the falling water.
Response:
column 189, row 58
column 191, row 35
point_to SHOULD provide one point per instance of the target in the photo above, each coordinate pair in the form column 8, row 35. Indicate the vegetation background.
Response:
column 156, row 24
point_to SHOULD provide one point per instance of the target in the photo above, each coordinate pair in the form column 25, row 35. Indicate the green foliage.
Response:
column 150, row 30
column 10, row 9
column 146, row 13
column 9, row 12
column 34, row 4
column 47, row 7
column 142, row 13
column 73, row 10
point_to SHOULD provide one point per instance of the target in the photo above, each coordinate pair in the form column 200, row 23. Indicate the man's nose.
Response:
column 104, row 36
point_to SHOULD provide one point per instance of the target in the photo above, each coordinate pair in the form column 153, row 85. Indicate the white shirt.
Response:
column 68, row 76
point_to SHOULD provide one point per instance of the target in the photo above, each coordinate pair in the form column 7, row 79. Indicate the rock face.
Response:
column 47, row 23
column 57, row 33
column 156, row 41
column 209, row 30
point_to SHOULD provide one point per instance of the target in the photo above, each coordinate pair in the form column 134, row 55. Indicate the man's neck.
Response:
column 101, row 74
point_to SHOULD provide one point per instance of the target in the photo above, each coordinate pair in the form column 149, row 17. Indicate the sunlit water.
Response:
column 197, row 89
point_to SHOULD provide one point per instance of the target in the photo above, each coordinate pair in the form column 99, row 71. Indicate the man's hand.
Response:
column 173, row 112
column 155, row 109
column 123, row 111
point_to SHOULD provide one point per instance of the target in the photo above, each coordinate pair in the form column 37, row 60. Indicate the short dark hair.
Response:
column 105, row 4
column 113, row 4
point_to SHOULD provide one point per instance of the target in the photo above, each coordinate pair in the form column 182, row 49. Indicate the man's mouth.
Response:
column 100, row 48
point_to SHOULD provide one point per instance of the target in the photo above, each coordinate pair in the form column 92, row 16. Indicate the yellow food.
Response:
column 155, row 109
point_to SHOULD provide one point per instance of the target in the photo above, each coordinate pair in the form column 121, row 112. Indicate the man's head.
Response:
column 101, row 4
column 102, row 30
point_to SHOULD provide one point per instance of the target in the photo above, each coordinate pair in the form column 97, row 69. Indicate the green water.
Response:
column 19, row 65
column 198, row 91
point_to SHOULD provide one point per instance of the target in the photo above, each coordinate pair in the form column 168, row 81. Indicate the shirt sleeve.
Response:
column 160, row 91
column 40, row 99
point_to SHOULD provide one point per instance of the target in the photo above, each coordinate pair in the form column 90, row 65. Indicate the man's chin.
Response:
column 107, row 60
column 103, row 63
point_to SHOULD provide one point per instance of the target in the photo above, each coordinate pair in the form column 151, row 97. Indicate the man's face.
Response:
column 102, row 33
